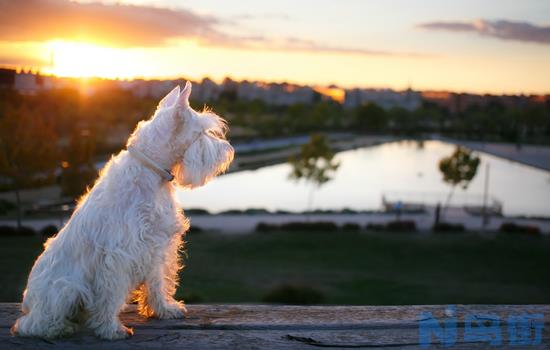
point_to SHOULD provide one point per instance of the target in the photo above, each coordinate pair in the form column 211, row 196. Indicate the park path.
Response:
column 537, row 156
column 246, row 223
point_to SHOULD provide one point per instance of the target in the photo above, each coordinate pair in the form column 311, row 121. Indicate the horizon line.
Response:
column 29, row 69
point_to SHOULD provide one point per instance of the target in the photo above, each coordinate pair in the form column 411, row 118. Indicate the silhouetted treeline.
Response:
column 492, row 122
column 107, row 116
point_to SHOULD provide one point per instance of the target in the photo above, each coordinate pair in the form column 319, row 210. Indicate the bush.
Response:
column 510, row 227
column 401, row 226
column 6, row 206
column 294, row 295
column 298, row 226
column 351, row 226
column 255, row 211
column 375, row 227
column 444, row 227
column 310, row 226
column 197, row 211
column 49, row 231
column 283, row 212
column 192, row 298
column 231, row 212
column 264, row 227
column 249, row 211
column 194, row 230
column 7, row 231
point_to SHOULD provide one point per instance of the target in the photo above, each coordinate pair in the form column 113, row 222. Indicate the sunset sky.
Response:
column 495, row 46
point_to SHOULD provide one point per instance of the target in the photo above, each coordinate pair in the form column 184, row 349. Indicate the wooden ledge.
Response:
column 283, row 327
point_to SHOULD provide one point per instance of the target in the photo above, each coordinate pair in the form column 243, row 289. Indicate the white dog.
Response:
column 126, row 232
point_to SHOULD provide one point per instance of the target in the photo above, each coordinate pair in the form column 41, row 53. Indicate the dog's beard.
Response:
column 203, row 160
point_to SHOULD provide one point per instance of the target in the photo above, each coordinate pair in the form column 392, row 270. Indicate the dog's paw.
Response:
column 115, row 333
column 68, row 329
column 172, row 311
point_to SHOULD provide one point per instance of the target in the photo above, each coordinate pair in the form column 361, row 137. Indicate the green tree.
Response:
column 371, row 118
column 28, row 151
column 315, row 164
column 458, row 169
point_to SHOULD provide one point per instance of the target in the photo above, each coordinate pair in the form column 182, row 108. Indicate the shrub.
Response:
column 231, row 212
column 375, row 227
column 310, row 226
column 256, row 211
column 25, row 231
column 192, row 298
column 48, row 231
column 511, row 227
column 265, row 227
column 401, row 226
column 444, row 227
column 294, row 295
column 7, row 231
column 283, row 212
column 351, row 226
column 298, row 226
column 6, row 206
column 194, row 230
column 197, row 211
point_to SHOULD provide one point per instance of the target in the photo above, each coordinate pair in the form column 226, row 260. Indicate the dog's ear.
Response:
column 170, row 99
column 183, row 100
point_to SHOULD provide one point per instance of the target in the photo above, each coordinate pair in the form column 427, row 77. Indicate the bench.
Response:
column 302, row 327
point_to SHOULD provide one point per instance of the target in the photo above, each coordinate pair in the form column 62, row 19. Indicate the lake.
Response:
column 400, row 170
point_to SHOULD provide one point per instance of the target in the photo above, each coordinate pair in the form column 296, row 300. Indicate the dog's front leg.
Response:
column 158, row 301
column 110, row 291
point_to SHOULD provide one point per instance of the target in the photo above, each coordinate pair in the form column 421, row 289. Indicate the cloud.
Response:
column 16, row 61
column 298, row 44
column 263, row 16
column 124, row 25
column 118, row 25
column 501, row 29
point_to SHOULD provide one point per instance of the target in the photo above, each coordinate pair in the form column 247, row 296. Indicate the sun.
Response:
column 86, row 60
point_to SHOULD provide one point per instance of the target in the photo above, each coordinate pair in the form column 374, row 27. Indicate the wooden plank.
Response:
column 268, row 326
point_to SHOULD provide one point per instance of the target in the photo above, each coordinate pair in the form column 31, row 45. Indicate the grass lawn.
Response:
column 343, row 267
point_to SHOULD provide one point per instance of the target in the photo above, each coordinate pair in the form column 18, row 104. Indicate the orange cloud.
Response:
column 142, row 26
column 114, row 25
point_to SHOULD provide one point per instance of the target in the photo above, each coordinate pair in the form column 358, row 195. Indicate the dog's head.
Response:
column 194, row 142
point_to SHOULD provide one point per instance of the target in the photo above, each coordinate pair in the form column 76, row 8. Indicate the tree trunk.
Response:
column 18, row 203
column 447, row 202
column 310, row 203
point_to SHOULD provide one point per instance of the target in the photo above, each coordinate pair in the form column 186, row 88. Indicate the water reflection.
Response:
column 366, row 174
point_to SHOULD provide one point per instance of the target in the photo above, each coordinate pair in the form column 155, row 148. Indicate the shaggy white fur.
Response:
column 124, row 237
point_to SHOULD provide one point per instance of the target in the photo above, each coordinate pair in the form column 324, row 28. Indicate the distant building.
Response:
column 385, row 98
column 205, row 91
column 276, row 94
column 7, row 78
column 332, row 92
column 457, row 103
column 28, row 82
